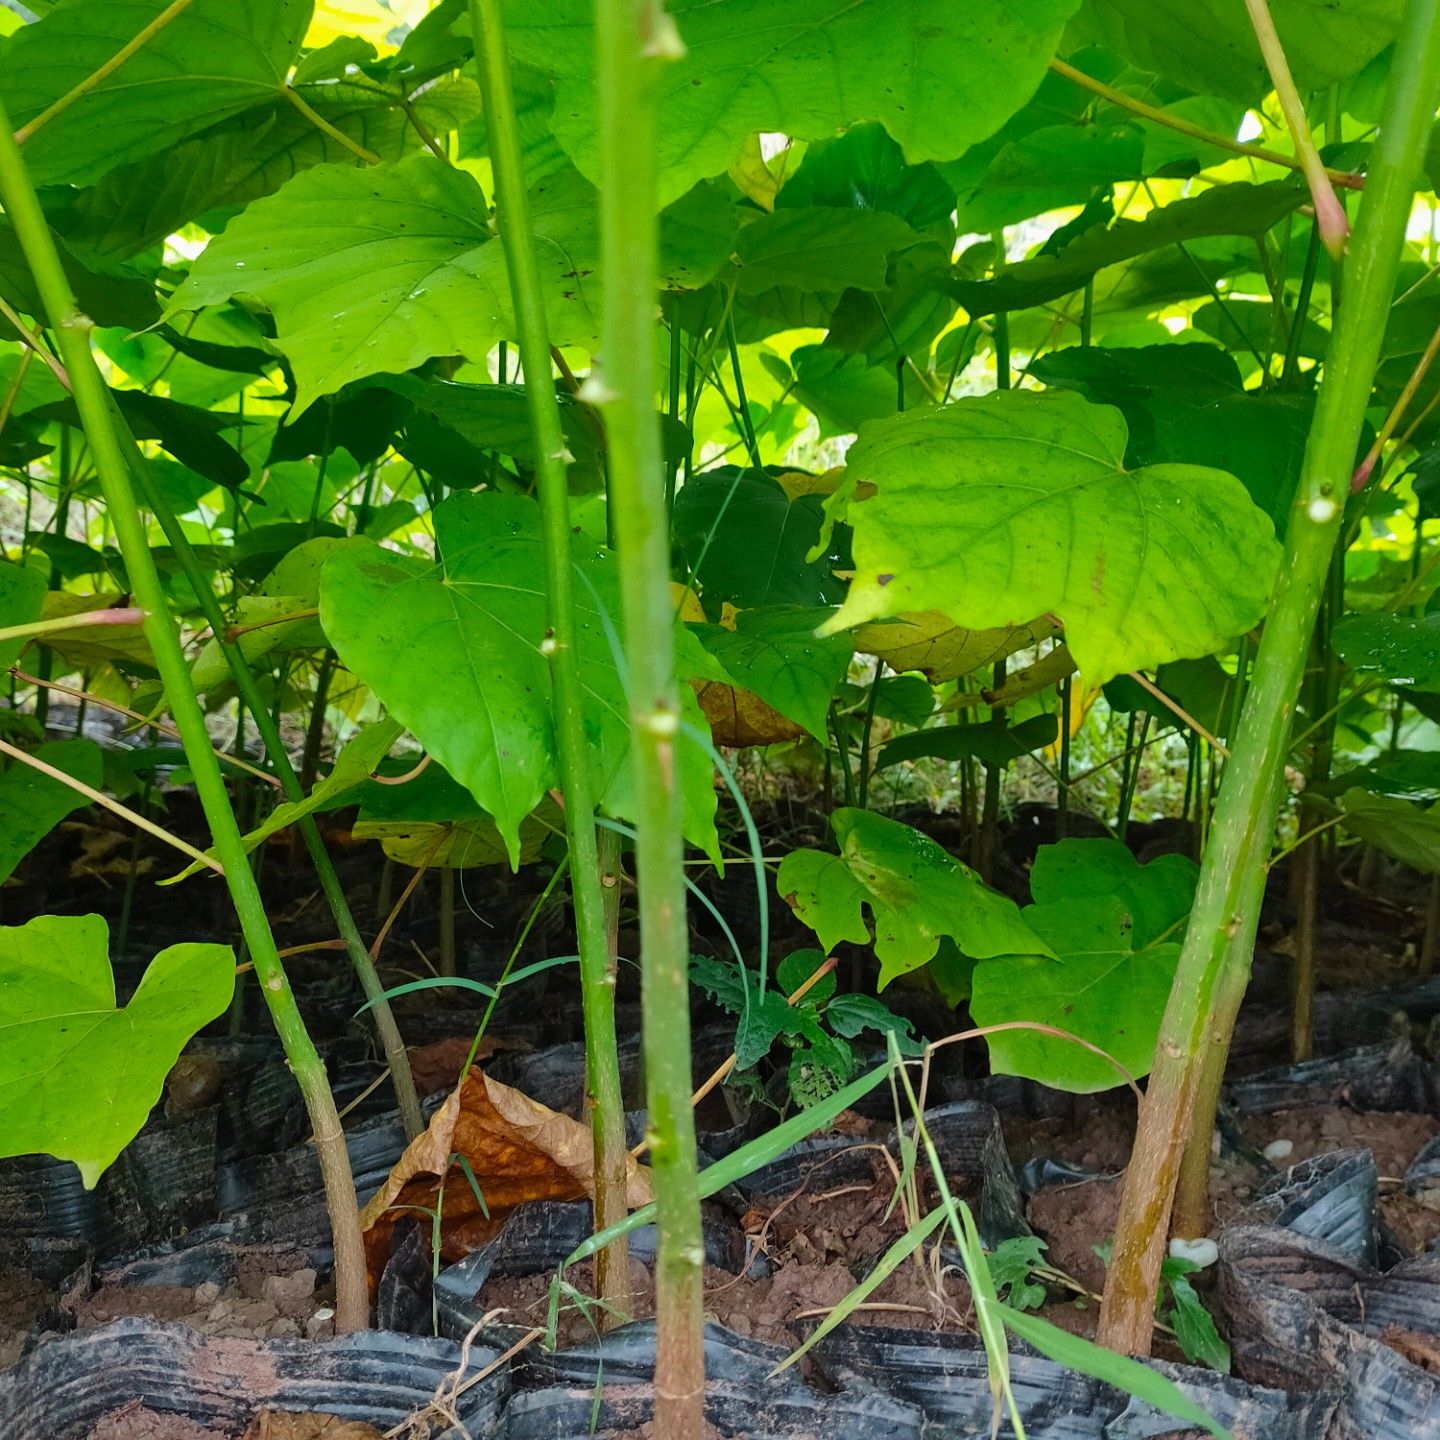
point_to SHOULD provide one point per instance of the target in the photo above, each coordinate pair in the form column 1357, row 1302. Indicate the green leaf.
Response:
column 1194, row 1327
column 211, row 60
column 1186, row 404
column 452, row 651
column 253, row 155
column 747, row 541
column 960, row 742
column 1100, row 988
column 809, row 70
column 1133, row 1377
column 1157, row 896
column 850, row 1015
column 495, row 417
column 720, row 980
column 1209, row 45
column 797, row 967
column 377, row 270
column 1238, row 209
column 1012, row 1263
column 823, row 248
column 1054, row 166
column 1408, row 774
column 1399, row 649
column 977, row 500
column 818, row 1070
column 1409, row 833
column 776, row 654
column 33, row 804
column 764, row 1020
column 78, row 1075
column 118, row 298
column 915, row 892
column 865, row 169
column 22, row 594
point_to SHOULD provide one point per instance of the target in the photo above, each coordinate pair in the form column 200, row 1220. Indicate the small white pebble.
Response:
column 323, row 1313
column 1279, row 1150
column 1203, row 1252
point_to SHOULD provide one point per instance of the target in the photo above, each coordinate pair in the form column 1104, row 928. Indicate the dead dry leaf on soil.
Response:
column 517, row 1149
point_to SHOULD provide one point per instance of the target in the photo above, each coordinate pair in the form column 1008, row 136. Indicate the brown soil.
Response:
column 1096, row 1135
column 1395, row 1138
column 1072, row 1220
column 287, row 1425
column 773, row 1308
column 1412, row 1220
column 258, row 1306
column 1418, row 1349
column 22, row 1300
column 135, row 1422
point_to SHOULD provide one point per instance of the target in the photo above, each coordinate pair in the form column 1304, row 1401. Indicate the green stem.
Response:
column 632, row 39
column 94, row 403
column 391, row 1043
column 1214, row 963
column 1062, row 792
column 864, row 795
column 597, row 978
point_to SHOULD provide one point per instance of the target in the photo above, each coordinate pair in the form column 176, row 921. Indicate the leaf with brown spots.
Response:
column 517, row 1149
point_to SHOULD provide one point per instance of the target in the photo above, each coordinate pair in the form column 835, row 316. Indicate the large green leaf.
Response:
column 1409, row 833
column 916, row 894
column 997, row 509
column 211, row 60
column 377, row 270
column 1209, row 45
column 1157, row 896
column 1047, row 168
column 865, row 169
column 22, row 593
column 777, row 655
column 32, row 804
column 252, row 155
column 453, row 651
column 1397, row 648
column 1098, row 986
column 819, row 248
column 808, row 69
column 1238, row 209
column 1187, row 403
column 78, row 1074
column 746, row 540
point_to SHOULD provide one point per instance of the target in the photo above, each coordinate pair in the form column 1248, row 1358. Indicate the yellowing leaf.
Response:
column 940, row 649
column 740, row 717
column 753, row 177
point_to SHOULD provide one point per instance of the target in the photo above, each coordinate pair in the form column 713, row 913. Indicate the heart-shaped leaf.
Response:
column 998, row 509
column 453, row 651
column 79, row 1074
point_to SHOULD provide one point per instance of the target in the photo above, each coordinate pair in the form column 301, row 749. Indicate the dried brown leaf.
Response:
column 518, row 1150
